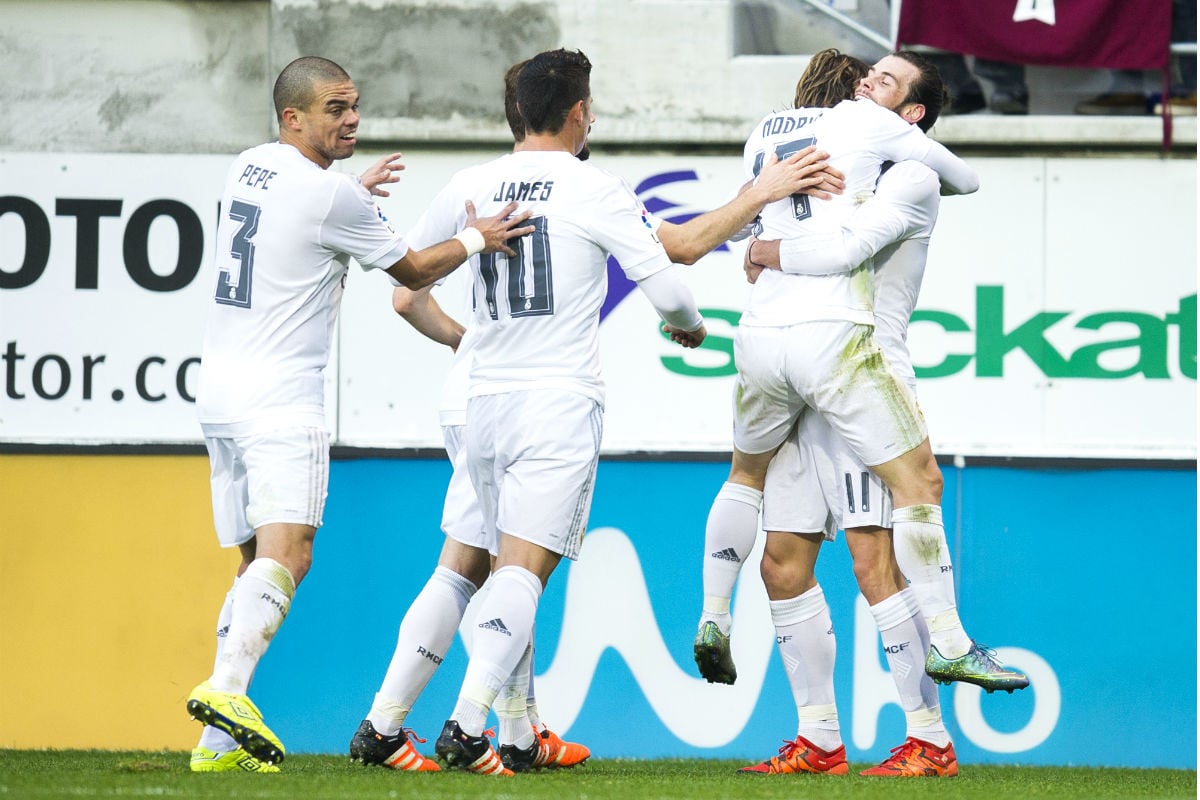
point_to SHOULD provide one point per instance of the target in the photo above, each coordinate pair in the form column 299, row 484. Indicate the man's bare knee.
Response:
column 750, row 469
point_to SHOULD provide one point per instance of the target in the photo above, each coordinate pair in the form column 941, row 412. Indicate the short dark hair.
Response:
column 830, row 77
column 928, row 89
column 294, row 86
column 515, row 123
column 549, row 86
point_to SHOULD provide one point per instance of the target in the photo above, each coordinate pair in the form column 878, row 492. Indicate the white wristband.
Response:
column 471, row 239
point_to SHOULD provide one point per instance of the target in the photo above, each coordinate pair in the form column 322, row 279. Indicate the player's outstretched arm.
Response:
column 957, row 176
column 874, row 225
column 803, row 172
column 421, row 268
column 421, row 310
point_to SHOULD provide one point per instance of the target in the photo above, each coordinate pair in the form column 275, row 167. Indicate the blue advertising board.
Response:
column 1083, row 577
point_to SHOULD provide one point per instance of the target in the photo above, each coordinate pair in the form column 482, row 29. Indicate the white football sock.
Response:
column 924, row 558
column 804, row 633
column 905, row 643
column 211, row 737
column 260, row 602
column 426, row 633
column 503, row 628
column 511, row 707
column 531, row 708
column 729, row 536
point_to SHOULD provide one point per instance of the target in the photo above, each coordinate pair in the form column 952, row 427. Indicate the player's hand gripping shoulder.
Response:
column 806, row 171
column 688, row 339
column 385, row 170
column 497, row 230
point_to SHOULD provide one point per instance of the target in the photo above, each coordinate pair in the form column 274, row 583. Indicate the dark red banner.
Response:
column 1118, row 34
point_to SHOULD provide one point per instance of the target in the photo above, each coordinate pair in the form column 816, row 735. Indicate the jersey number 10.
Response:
column 528, row 277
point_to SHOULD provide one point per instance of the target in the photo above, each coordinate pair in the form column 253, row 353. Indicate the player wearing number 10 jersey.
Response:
column 534, row 417
column 537, row 314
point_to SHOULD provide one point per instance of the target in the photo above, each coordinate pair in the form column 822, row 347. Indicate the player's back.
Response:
column 859, row 136
column 278, row 288
column 538, row 312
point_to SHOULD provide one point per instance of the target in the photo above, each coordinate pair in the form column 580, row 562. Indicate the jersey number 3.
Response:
column 234, row 290
column 529, row 279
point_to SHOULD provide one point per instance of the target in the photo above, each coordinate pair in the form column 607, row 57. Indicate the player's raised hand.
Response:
column 688, row 339
column 499, row 229
column 385, row 170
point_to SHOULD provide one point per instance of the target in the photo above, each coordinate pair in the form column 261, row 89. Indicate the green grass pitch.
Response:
column 93, row 773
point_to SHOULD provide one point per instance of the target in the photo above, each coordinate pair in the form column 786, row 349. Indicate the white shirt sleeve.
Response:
column 671, row 297
column 900, row 208
column 899, row 140
column 356, row 226
column 445, row 216
column 619, row 227
column 957, row 176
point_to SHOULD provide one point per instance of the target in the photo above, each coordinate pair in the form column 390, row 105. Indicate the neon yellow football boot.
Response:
column 237, row 715
column 205, row 760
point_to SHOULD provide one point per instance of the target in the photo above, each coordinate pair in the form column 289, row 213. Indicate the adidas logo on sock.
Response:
column 496, row 625
column 728, row 554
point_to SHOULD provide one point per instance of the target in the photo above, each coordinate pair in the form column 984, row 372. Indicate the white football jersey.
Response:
column 894, row 227
column 285, row 237
column 453, row 407
column 859, row 136
column 536, row 315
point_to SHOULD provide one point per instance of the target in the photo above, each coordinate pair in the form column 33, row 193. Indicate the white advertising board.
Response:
column 1057, row 319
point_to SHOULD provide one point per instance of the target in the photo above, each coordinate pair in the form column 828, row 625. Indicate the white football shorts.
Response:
column 533, row 457
column 793, row 501
column 815, row 472
column 462, row 520
column 277, row 476
column 835, row 368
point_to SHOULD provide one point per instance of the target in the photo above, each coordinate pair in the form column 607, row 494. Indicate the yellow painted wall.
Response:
column 110, row 584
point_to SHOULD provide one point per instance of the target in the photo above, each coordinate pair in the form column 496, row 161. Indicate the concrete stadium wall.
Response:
column 168, row 76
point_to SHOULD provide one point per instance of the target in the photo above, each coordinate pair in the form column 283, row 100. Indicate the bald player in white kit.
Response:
column 287, row 232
